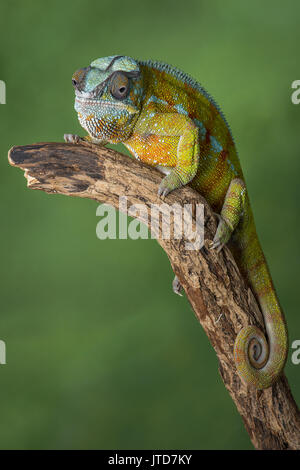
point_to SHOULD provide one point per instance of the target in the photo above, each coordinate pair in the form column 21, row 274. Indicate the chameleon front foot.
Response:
column 72, row 138
column 222, row 235
column 177, row 287
column 168, row 184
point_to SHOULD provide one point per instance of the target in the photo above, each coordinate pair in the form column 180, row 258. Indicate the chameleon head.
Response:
column 108, row 97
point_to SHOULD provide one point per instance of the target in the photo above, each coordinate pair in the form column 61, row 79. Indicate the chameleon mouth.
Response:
column 85, row 100
column 95, row 101
column 88, row 101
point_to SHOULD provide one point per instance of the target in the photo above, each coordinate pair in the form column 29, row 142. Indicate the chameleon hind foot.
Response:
column 222, row 235
column 231, row 213
column 177, row 287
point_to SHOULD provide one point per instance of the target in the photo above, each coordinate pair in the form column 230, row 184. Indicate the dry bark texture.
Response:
column 220, row 299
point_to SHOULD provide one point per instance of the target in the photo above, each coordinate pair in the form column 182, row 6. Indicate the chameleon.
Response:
column 167, row 120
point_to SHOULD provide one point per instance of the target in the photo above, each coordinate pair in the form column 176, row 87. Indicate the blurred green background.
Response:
column 100, row 352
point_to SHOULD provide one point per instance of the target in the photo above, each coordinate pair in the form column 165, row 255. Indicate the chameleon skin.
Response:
column 167, row 120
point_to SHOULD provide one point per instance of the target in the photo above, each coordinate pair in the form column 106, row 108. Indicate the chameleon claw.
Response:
column 72, row 138
column 216, row 245
column 220, row 247
column 168, row 184
column 218, row 216
column 163, row 192
column 222, row 234
column 159, row 192
column 177, row 287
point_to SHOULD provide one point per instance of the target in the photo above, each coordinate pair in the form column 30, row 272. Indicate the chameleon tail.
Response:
column 260, row 361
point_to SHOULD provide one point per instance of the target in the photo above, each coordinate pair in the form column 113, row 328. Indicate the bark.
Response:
column 221, row 300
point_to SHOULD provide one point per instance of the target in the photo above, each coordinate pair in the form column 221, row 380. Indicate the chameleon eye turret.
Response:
column 168, row 120
column 119, row 86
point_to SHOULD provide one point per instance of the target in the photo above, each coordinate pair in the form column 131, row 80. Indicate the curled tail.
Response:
column 260, row 360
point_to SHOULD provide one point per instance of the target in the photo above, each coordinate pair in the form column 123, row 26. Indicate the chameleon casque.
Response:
column 167, row 120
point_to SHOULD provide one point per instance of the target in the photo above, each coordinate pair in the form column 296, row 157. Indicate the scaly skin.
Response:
column 168, row 120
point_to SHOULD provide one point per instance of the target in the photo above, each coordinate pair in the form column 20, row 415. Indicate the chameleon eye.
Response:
column 119, row 86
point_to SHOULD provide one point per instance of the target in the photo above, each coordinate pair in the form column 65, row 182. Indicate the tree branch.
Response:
column 219, row 296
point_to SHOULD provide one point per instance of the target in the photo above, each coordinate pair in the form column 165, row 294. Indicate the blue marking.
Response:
column 216, row 146
column 180, row 108
column 154, row 99
column 232, row 167
column 202, row 128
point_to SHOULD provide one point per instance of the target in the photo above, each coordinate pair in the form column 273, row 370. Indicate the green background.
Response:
column 100, row 352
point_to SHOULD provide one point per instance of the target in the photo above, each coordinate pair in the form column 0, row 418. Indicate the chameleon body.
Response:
column 167, row 120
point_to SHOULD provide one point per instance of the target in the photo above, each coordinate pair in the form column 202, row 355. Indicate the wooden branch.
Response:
column 220, row 299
